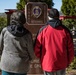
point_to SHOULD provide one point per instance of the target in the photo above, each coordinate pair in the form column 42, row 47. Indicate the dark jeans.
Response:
column 10, row 73
column 60, row 72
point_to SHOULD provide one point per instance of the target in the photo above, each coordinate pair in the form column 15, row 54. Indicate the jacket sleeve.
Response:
column 1, row 42
column 30, row 47
column 37, row 45
column 70, row 52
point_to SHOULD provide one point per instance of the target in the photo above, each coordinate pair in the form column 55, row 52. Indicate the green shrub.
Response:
column 3, row 22
column 73, row 64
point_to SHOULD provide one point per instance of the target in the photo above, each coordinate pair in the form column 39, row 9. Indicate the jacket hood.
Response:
column 17, row 30
column 54, row 23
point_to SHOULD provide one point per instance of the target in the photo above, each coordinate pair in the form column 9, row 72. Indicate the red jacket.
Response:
column 54, row 47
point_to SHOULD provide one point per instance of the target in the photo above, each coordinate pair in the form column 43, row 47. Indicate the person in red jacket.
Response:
column 54, row 46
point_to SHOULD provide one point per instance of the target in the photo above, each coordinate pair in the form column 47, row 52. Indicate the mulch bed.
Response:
column 71, row 72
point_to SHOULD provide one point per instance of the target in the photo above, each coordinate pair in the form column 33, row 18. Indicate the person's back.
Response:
column 54, row 45
column 17, row 46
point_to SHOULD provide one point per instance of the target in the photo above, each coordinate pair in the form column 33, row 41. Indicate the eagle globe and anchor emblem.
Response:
column 36, row 11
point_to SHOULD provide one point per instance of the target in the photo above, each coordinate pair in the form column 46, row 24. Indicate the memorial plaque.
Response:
column 36, row 13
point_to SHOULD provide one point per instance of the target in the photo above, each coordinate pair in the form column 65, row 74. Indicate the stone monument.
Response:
column 36, row 15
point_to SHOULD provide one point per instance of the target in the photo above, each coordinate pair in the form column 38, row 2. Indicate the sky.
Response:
column 57, row 4
column 7, row 4
column 11, row 4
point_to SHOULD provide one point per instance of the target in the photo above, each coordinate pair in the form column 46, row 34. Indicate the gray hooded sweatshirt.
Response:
column 16, row 47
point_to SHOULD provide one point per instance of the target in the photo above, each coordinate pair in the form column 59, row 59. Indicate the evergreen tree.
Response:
column 48, row 2
column 22, row 3
column 68, row 8
column 3, row 22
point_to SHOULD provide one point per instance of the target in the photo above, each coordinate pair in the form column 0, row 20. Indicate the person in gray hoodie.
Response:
column 16, row 46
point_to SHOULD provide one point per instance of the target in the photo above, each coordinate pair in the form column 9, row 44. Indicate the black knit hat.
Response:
column 53, row 13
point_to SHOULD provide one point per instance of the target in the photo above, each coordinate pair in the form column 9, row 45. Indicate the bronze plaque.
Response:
column 36, row 13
